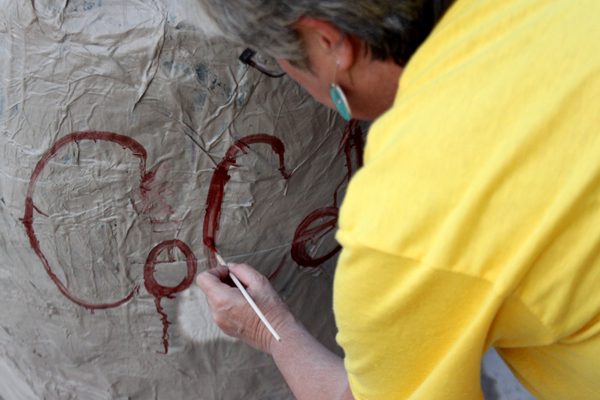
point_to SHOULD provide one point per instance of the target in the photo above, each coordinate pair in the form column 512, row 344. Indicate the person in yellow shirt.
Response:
column 475, row 221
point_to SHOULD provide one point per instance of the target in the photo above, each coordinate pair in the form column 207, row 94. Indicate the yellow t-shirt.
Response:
column 475, row 221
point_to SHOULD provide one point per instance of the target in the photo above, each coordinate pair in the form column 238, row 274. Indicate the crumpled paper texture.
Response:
column 115, row 119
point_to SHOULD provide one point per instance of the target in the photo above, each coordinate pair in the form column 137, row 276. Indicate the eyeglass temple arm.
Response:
column 246, row 58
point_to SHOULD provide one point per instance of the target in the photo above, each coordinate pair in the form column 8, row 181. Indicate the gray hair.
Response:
column 391, row 29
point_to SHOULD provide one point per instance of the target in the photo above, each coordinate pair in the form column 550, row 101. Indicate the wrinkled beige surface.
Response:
column 156, row 72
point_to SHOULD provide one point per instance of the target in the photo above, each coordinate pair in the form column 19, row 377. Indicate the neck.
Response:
column 371, row 86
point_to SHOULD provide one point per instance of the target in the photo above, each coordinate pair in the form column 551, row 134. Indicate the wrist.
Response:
column 290, row 329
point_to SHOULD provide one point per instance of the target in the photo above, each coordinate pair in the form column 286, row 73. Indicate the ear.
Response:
column 325, row 41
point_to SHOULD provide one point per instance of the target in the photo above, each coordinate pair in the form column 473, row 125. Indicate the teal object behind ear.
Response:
column 339, row 99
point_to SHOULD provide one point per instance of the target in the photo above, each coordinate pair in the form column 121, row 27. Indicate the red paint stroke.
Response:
column 147, row 200
column 305, row 233
column 220, row 178
column 159, row 291
column 127, row 143
column 352, row 138
column 278, row 270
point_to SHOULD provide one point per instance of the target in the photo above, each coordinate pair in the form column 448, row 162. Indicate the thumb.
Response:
column 248, row 276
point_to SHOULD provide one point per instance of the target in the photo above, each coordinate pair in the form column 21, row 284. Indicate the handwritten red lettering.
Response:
column 128, row 143
column 220, row 178
column 146, row 195
column 146, row 186
column 306, row 232
column 159, row 291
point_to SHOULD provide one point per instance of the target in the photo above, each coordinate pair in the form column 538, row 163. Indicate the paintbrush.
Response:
column 249, row 299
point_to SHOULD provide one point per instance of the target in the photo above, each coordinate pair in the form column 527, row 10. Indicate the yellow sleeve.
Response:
column 410, row 331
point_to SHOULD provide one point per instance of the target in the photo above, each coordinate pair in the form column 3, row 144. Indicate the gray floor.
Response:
column 497, row 382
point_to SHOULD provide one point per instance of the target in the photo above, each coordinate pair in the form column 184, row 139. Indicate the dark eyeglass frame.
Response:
column 246, row 58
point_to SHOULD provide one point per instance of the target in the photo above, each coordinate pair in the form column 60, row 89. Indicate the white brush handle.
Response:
column 250, row 301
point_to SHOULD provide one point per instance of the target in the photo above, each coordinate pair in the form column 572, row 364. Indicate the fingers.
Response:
column 260, row 289
column 248, row 276
column 212, row 278
column 215, row 282
column 231, row 311
column 221, row 298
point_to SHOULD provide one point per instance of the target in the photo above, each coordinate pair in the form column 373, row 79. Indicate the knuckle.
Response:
column 200, row 279
column 236, row 265
column 219, row 302
column 219, row 320
column 261, row 280
column 242, row 267
column 203, row 280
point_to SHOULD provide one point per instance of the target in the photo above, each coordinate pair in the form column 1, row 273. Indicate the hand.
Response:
column 312, row 371
column 233, row 314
